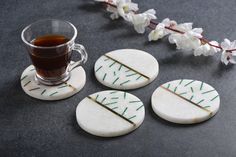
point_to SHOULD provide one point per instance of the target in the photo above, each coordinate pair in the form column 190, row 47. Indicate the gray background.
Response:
column 30, row 127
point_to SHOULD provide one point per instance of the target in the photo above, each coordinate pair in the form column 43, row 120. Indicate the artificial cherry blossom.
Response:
column 189, row 39
column 160, row 31
column 124, row 7
column 206, row 49
column 228, row 56
column 141, row 21
column 183, row 35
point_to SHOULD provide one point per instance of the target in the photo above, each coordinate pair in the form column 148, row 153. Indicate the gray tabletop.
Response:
column 30, row 127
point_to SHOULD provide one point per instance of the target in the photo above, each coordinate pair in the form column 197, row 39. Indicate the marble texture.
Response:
column 185, row 101
column 110, row 113
column 58, row 92
column 126, row 69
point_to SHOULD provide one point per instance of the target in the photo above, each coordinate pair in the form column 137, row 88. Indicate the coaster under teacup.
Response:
column 110, row 113
column 34, row 89
column 126, row 69
column 185, row 101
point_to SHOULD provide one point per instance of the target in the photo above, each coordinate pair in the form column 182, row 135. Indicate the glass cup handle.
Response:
column 84, row 56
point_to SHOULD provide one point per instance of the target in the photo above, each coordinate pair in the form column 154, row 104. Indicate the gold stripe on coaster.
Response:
column 70, row 86
column 111, row 110
column 127, row 66
column 193, row 103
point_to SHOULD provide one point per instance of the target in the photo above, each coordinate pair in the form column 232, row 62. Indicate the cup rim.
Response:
column 48, row 47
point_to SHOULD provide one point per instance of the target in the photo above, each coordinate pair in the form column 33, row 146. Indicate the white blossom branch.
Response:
column 183, row 35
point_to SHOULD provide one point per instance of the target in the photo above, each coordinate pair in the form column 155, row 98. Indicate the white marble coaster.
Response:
column 110, row 113
column 62, row 91
column 126, row 69
column 185, row 101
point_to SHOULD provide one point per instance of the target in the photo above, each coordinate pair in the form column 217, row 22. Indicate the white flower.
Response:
column 140, row 21
column 169, row 23
column 206, row 49
column 157, row 33
column 189, row 39
column 228, row 57
column 160, row 31
column 124, row 7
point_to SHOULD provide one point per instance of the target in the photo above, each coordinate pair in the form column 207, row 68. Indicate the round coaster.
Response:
column 62, row 91
column 110, row 113
column 185, row 101
column 126, row 69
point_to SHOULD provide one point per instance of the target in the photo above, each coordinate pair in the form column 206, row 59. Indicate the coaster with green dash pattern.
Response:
column 110, row 113
column 34, row 89
column 126, row 69
column 185, row 101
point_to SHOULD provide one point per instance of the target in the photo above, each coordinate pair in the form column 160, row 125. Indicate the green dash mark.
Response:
column 139, row 107
column 124, row 111
column 201, row 86
column 104, row 76
column 120, row 67
column 128, row 70
column 180, row 81
column 168, row 86
column 208, row 91
column 27, row 83
column 115, row 98
column 43, row 91
column 124, row 95
column 97, row 97
column 124, row 82
column 175, row 88
column 189, row 83
column 113, row 92
column 115, row 80
column 98, row 68
column 191, row 98
column 114, row 73
column 106, row 59
column 183, row 93
column 139, row 77
column 200, row 101
column 23, row 77
column 131, row 75
column 214, row 98
column 206, row 106
column 103, row 100
column 110, row 103
column 192, row 89
column 132, row 117
column 114, row 107
column 62, row 87
column 53, row 93
column 134, row 101
column 112, row 64
column 34, row 88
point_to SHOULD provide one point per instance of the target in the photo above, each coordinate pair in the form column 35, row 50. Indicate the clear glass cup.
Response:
column 50, row 43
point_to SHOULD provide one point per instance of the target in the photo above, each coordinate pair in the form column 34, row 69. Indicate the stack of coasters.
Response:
column 110, row 113
column 185, row 101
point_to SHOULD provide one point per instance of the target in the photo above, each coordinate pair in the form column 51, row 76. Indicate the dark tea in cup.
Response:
column 50, row 44
column 50, row 62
